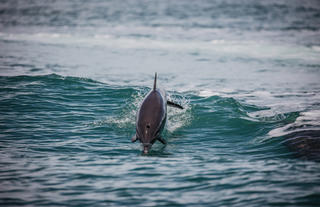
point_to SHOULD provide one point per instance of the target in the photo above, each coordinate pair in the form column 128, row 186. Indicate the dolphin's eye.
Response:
column 148, row 126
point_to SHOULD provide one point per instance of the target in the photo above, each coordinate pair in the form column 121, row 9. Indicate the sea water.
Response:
column 73, row 74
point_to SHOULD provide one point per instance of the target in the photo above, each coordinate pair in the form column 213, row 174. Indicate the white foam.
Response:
column 316, row 48
column 261, row 94
column 216, row 42
column 223, row 47
column 306, row 121
column 208, row 93
column 178, row 118
column 310, row 116
column 222, row 92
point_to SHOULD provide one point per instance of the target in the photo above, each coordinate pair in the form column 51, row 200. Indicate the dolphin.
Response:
column 151, row 117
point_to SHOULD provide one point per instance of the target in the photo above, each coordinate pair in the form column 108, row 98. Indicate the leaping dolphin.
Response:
column 151, row 117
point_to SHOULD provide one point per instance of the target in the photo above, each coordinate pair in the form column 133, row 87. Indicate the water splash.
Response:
column 306, row 121
column 176, row 118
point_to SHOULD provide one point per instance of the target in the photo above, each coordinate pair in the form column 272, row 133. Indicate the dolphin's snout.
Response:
column 146, row 148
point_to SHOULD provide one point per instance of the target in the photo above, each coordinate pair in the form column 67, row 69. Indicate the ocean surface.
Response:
column 73, row 74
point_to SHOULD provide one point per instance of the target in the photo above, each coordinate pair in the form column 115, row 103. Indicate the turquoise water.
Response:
column 72, row 76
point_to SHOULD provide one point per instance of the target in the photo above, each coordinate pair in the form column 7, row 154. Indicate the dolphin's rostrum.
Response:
column 151, row 117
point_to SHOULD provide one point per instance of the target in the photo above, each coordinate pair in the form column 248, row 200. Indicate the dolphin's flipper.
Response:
column 134, row 138
column 162, row 140
column 170, row 103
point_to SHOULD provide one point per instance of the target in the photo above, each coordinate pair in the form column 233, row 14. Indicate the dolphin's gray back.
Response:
column 152, row 116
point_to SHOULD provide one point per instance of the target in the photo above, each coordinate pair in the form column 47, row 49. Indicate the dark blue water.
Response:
column 73, row 73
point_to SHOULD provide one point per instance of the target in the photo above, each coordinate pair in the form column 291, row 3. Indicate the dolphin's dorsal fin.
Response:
column 170, row 103
column 155, row 82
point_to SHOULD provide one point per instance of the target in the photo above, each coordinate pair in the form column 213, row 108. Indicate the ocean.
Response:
column 74, row 73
